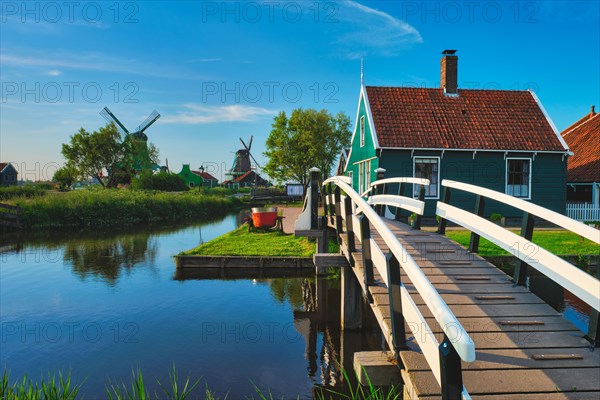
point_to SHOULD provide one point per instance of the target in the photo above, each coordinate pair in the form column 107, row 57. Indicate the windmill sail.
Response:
column 148, row 121
column 110, row 117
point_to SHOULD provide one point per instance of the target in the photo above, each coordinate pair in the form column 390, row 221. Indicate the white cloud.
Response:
column 369, row 31
column 90, row 61
column 53, row 72
column 202, row 114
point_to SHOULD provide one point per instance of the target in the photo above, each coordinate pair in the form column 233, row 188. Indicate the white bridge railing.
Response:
column 578, row 282
column 443, row 358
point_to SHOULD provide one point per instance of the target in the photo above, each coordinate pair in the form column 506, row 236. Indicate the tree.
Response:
column 65, row 176
column 104, row 156
column 309, row 138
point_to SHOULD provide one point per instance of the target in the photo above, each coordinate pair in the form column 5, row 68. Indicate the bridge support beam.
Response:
column 593, row 334
column 520, row 277
column 351, row 307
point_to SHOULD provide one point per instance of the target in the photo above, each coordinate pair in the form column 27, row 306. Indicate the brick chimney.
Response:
column 593, row 111
column 449, row 72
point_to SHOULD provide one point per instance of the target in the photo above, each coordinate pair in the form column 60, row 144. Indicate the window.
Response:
column 362, row 131
column 518, row 177
column 427, row 168
column 191, row 184
column 367, row 175
column 361, row 178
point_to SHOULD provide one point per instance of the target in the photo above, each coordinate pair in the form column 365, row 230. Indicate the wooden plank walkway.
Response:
column 525, row 348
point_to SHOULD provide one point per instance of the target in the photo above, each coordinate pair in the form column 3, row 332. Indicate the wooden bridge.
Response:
column 458, row 326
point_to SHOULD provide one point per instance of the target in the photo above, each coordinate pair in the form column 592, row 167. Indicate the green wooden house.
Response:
column 499, row 139
column 8, row 174
column 197, row 178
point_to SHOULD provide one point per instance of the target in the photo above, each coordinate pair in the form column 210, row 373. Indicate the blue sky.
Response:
column 217, row 71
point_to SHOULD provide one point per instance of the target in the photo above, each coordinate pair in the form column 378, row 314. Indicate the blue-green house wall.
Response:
column 486, row 169
column 360, row 153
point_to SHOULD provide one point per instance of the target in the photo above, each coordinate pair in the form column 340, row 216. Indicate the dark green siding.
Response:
column 358, row 153
column 548, row 180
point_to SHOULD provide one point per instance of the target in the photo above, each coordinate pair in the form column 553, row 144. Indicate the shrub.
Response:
column 496, row 217
column 28, row 191
column 163, row 181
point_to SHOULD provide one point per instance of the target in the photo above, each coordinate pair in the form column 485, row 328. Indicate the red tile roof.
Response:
column 583, row 139
column 475, row 119
column 2, row 166
column 205, row 175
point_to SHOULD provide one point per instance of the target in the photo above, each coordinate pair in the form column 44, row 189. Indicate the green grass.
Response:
column 267, row 244
column 118, row 207
column 12, row 192
column 240, row 242
column 555, row 241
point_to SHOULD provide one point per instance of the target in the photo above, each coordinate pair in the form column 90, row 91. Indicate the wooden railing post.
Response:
column 520, row 276
column 314, row 197
column 381, row 189
column 395, row 298
column 593, row 334
column 331, row 202
column 419, row 218
column 450, row 371
column 338, row 213
column 398, row 209
column 479, row 207
column 365, row 233
column 349, row 228
column 445, row 199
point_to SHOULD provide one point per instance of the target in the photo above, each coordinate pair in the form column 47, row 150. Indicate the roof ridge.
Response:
column 576, row 125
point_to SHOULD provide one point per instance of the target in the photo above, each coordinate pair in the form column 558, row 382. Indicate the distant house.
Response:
column 8, row 174
column 197, row 178
column 498, row 139
column 342, row 162
column 583, row 175
column 249, row 179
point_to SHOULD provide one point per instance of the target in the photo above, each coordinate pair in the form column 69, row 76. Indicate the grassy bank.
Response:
column 106, row 208
column 62, row 387
column 555, row 241
column 240, row 242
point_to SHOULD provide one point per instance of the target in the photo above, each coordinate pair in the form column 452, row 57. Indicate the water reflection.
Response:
column 108, row 259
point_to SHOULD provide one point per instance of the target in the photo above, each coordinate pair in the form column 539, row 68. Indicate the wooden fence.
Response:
column 583, row 212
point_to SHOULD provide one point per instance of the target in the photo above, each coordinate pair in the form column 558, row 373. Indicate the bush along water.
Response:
column 113, row 207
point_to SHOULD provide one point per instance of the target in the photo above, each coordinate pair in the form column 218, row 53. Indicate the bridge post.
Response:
column 338, row 213
column 479, row 207
column 451, row 371
column 593, row 334
column 349, row 228
column 395, row 297
column 381, row 189
column 331, row 203
column 520, row 276
column 315, row 176
column 365, row 232
column 446, row 199
column 419, row 218
column 352, row 300
column 398, row 209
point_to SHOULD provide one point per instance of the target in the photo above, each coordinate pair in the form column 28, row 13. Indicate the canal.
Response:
column 103, row 304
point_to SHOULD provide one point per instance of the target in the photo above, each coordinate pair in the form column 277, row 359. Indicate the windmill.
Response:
column 137, row 138
column 242, row 164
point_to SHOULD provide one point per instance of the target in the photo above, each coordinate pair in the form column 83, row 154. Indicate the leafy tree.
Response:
column 65, row 176
column 309, row 138
column 105, row 156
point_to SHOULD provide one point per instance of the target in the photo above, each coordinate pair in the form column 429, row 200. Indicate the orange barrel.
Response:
column 264, row 217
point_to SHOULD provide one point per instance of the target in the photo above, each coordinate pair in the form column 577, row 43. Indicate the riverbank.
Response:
column 109, row 208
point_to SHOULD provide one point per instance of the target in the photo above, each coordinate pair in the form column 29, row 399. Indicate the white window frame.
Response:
column 362, row 131
column 530, row 175
column 367, row 175
column 439, row 164
column 361, row 177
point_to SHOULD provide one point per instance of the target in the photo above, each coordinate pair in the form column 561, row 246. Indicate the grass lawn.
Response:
column 555, row 241
column 267, row 244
